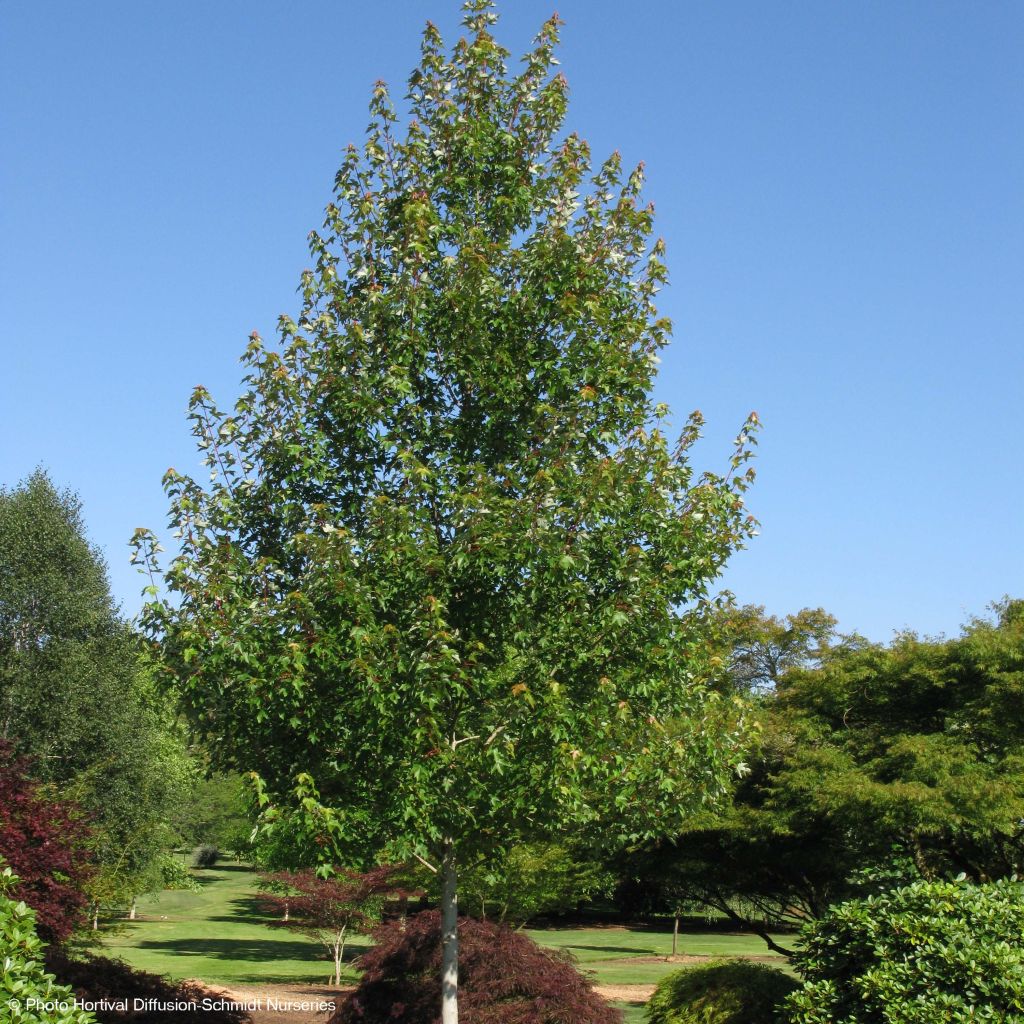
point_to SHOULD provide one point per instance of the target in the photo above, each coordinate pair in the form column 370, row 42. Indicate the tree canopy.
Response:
column 444, row 586
column 878, row 764
column 73, row 693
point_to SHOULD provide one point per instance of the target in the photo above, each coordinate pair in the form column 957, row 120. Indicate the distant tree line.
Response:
column 872, row 765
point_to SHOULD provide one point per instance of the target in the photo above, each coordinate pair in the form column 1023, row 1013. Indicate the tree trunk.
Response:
column 675, row 934
column 338, row 949
column 131, row 910
column 285, row 918
column 449, row 938
column 96, row 915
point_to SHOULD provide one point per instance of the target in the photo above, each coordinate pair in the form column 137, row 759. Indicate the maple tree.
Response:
column 444, row 589
column 328, row 909
column 46, row 842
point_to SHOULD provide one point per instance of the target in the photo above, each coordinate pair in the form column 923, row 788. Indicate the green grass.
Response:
column 617, row 956
column 221, row 936
column 631, row 1013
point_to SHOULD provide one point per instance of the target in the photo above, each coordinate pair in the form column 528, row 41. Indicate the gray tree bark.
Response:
column 449, row 938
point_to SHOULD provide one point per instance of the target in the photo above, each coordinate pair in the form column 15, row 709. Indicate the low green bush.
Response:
column 721, row 992
column 28, row 995
column 174, row 875
column 928, row 953
column 205, row 856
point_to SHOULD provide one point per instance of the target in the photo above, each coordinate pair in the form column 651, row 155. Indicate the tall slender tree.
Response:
column 74, row 695
column 443, row 589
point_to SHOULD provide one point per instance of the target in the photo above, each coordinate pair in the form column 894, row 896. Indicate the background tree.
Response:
column 883, row 764
column 73, row 693
column 531, row 879
column 923, row 741
column 442, row 593
column 216, row 811
column 762, row 647
column 329, row 909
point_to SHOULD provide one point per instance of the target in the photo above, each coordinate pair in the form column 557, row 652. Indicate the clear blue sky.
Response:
column 841, row 186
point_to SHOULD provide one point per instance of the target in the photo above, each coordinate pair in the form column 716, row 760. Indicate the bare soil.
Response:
column 282, row 1004
column 686, row 959
column 265, row 996
column 625, row 993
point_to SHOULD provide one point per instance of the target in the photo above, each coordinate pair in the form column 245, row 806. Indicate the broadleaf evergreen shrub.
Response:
column 24, row 981
column 721, row 992
column 927, row 953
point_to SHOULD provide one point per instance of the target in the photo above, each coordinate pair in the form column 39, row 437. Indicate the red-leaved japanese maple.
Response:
column 504, row 978
column 329, row 909
column 46, row 843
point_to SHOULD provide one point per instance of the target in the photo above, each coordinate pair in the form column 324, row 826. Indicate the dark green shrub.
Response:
column 721, row 992
column 929, row 953
column 205, row 856
column 28, row 995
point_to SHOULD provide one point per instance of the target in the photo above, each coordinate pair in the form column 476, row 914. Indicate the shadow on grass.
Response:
column 259, row 950
column 232, row 949
column 317, row 986
column 632, row 950
column 249, row 909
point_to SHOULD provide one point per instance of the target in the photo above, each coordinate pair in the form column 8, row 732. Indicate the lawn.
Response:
column 221, row 935
column 627, row 956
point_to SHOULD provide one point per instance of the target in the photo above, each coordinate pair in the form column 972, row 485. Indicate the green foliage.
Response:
column 205, row 856
column 444, row 588
column 532, row 879
column 215, row 811
column 175, row 876
column 721, row 992
column 929, row 953
column 762, row 647
column 73, row 693
column 25, row 987
column 919, row 743
column 873, row 763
